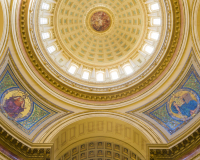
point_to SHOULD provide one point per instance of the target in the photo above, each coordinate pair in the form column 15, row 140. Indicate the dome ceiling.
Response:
column 100, row 50
column 77, row 27
column 122, row 49
column 71, row 99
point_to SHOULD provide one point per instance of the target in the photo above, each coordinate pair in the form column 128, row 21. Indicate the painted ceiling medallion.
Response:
column 100, row 21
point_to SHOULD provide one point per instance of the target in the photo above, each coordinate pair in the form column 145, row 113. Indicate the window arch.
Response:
column 128, row 69
column 72, row 69
column 154, row 7
column 43, row 20
column 154, row 35
column 51, row 49
column 100, row 76
column 85, row 74
column 149, row 49
column 45, row 6
column 45, row 35
column 156, row 21
column 114, row 74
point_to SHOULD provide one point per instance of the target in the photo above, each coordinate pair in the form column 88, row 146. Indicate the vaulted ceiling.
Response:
column 99, row 79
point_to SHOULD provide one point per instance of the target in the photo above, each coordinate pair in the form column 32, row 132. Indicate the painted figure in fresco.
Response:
column 184, row 105
column 100, row 21
column 15, row 105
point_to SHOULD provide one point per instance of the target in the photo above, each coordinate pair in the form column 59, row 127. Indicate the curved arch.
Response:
column 194, row 25
column 4, row 21
column 151, row 134
column 104, row 145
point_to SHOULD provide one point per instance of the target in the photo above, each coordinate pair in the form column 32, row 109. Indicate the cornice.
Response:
column 174, row 152
column 100, row 97
column 23, row 149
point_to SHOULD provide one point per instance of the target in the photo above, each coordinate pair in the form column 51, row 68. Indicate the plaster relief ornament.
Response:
column 183, row 105
column 100, row 21
column 16, row 105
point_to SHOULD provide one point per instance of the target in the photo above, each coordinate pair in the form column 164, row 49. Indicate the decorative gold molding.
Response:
column 23, row 150
column 194, row 27
column 4, row 156
column 174, row 152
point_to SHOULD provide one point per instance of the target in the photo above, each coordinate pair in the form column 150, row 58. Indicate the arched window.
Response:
column 85, row 75
column 154, row 7
column 51, row 49
column 149, row 49
column 114, row 75
column 45, row 35
column 128, row 69
column 72, row 69
column 43, row 21
column 45, row 6
column 154, row 35
column 156, row 21
column 99, row 76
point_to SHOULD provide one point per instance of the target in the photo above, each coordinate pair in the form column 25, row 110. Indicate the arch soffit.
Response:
column 53, row 130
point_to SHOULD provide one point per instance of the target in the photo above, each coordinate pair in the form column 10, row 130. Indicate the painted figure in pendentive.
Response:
column 15, row 105
column 184, row 105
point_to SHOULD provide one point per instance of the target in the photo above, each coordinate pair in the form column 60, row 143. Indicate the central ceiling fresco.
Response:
column 100, row 21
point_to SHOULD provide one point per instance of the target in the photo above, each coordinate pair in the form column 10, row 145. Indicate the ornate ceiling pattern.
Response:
column 125, row 89
column 99, row 79
column 99, row 150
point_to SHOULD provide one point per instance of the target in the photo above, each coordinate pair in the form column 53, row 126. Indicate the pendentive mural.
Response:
column 19, row 106
column 183, row 104
column 179, row 108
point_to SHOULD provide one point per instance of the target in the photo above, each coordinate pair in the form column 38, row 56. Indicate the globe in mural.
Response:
column 100, row 21
column 16, row 104
column 183, row 105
